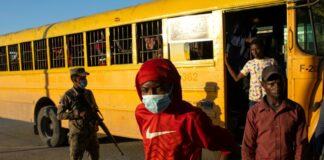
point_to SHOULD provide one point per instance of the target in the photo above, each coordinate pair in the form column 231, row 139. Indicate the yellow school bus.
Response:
column 193, row 34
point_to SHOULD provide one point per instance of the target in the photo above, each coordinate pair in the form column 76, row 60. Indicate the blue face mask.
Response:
column 156, row 103
column 83, row 83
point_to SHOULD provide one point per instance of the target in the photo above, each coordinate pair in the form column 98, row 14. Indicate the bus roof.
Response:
column 143, row 12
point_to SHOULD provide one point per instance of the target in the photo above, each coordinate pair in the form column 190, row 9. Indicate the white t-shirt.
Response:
column 255, row 67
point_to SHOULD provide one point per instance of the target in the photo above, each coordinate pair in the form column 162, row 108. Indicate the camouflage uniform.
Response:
column 82, row 134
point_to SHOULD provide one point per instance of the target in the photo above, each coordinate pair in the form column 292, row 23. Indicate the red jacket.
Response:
column 181, row 131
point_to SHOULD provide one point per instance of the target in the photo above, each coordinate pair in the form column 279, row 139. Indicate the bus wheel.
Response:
column 49, row 127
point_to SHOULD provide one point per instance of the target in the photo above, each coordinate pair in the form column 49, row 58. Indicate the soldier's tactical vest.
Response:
column 79, row 103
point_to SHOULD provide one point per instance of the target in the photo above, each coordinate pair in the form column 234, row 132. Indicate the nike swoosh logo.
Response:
column 150, row 135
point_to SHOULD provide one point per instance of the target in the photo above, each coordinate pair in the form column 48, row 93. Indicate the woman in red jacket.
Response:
column 171, row 128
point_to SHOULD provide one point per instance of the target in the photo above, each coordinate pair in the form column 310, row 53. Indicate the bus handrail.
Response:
column 302, row 5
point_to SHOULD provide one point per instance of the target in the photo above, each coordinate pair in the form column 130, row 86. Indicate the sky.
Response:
column 18, row 15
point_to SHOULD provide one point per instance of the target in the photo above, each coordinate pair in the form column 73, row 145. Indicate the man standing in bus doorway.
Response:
column 276, row 126
column 238, row 52
column 77, row 106
column 253, row 68
column 172, row 128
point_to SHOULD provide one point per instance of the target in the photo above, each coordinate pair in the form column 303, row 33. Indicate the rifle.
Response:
column 96, row 115
column 99, row 117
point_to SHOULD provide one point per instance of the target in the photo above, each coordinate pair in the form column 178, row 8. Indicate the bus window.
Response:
column 190, row 37
column 199, row 50
column 13, row 57
column 56, row 47
column 149, row 40
column 3, row 59
column 121, row 44
column 75, row 49
column 40, row 54
column 26, row 56
column 191, row 51
column 96, row 46
column 318, row 19
column 305, row 31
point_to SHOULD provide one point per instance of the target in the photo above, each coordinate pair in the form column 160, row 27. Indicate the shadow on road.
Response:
column 26, row 149
column 18, row 141
column 106, row 140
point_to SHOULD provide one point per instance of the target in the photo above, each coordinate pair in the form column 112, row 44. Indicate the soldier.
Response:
column 77, row 105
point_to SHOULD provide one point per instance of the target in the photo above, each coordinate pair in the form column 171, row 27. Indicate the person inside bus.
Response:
column 196, row 50
column 77, row 105
column 276, row 126
column 100, row 47
column 70, row 50
column 238, row 43
column 253, row 67
column 154, row 44
column 273, row 50
column 238, row 49
column 172, row 128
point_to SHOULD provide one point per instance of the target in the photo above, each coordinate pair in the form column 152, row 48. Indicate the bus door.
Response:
column 239, row 24
column 306, row 66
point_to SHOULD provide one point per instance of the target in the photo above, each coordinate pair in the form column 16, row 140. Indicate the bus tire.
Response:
column 49, row 127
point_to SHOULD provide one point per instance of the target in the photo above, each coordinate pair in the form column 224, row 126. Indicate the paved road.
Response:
column 17, row 142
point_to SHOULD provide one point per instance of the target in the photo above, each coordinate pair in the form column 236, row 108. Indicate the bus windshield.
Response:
column 318, row 18
column 311, row 38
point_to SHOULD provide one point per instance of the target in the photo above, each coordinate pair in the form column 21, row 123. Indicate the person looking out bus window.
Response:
column 154, row 44
column 70, row 50
column 276, row 126
column 100, row 46
column 76, row 105
column 253, row 67
column 172, row 128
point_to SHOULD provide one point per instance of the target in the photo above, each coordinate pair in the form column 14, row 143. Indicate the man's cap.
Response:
column 271, row 70
column 78, row 72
